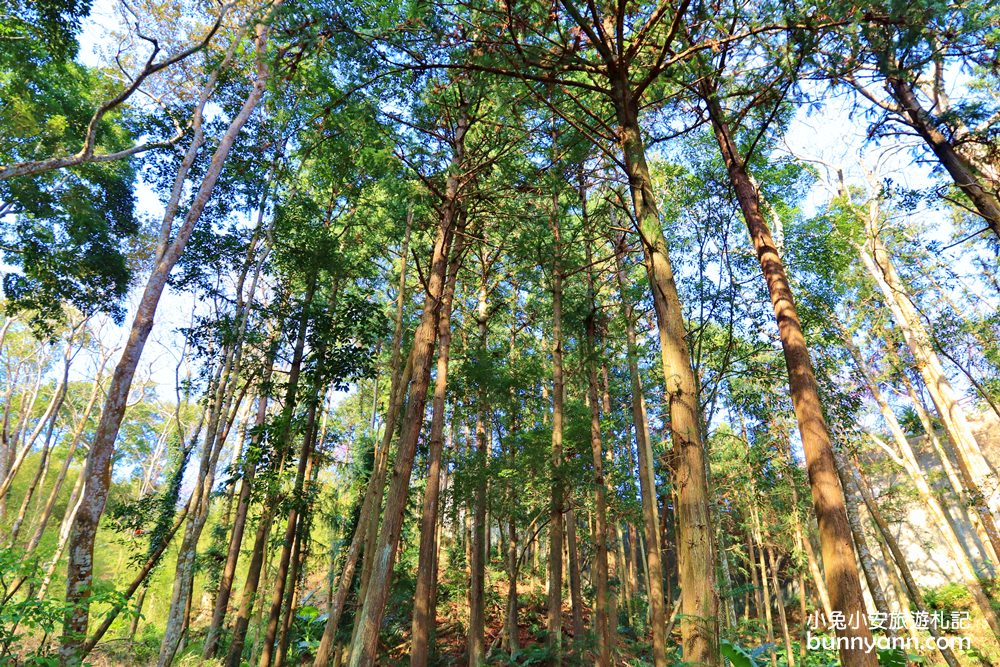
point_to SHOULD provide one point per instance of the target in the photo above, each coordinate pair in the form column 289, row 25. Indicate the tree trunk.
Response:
column 603, row 608
column 729, row 603
column 239, row 525
column 915, row 594
column 962, row 172
column 575, row 588
column 283, row 442
column 512, row 569
column 50, row 503
column 780, row 603
column 928, row 498
column 817, row 575
column 364, row 651
column 480, row 541
column 647, row 484
column 48, row 418
column 97, row 471
column 843, row 580
column 282, row 581
column 554, row 608
column 975, row 470
column 423, row 608
column 373, row 493
column 864, row 553
column 954, row 479
column 65, row 528
column 177, row 616
column 761, row 567
column 699, row 614
column 51, row 416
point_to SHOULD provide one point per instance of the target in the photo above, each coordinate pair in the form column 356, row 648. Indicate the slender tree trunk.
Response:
column 864, row 553
column 48, row 418
column 140, row 604
column 729, row 603
column 554, row 610
column 954, row 479
column 961, row 170
column 295, row 514
column 423, row 608
column 975, row 470
column 50, row 503
column 842, row 575
column 699, row 614
column 286, row 576
column 373, row 494
column 915, row 594
column 902, row 597
column 761, row 567
column 575, row 588
column 624, row 571
column 98, row 467
column 283, row 445
column 300, row 551
column 364, row 652
column 239, row 524
column 817, row 575
column 604, row 609
column 647, row 485
column 751, row 565
column 371, row 526
column 779, row 600
column 73, row 506
column 177, row 616
column 480, row 540
column 928, row 498
column 512, row 571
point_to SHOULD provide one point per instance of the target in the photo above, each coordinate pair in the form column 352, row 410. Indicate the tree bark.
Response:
column 916, row 595
column 575, row 588
column 480, row 541
column 961, row 170
column 423, row 607
column 239, row 523
column 604, row 610
column 283, row 445
column 699, row 613
column 780, row 604
column 364, row 652
column 97, row 470
column 928, row 498
column 50, row 503
column 647, row 484
column 399, row 380
column 842, row 576
column 975, row 470
column 554, row 604
column 282, row 581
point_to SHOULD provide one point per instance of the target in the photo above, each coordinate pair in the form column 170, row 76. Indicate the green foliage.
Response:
column 737, row 655
column 948, row 597
column 25, row 618
column 67, row 233
column 33, row 30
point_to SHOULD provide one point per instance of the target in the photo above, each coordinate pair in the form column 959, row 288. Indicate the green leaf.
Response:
column 737, row 655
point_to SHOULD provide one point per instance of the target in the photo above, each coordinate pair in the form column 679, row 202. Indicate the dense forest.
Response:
column 500, row 332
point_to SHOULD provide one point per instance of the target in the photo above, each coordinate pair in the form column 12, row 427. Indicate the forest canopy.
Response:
column 499, row 332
